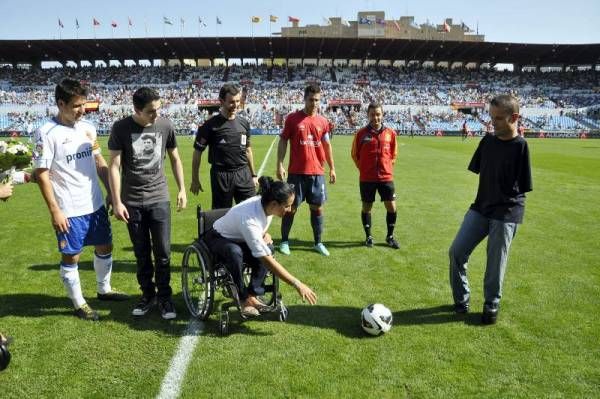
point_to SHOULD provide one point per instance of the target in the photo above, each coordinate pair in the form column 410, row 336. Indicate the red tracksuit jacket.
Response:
column 374, row 153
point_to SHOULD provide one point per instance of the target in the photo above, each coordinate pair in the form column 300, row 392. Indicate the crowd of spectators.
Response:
column 275, row 91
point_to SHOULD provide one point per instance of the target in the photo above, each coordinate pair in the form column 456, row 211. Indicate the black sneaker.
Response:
column 143, row 306
column 391, row 241
column 369, row 242
column 490, row 314
column 85, row 312
column 167, row 309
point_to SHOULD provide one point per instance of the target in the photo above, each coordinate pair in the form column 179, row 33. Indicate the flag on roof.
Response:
column 60, row 24
column 255, row 20
column 167, row 21
column 219, row 22
column 76, row 24
column 273, row 18
column 293, row 19
column 130, row 21
column 113, row 23
column 95, row 22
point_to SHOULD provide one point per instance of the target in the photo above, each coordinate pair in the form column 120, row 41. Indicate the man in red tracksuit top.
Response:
column 374, row 153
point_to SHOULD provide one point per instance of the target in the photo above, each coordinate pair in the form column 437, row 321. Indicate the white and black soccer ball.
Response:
column 376, row 319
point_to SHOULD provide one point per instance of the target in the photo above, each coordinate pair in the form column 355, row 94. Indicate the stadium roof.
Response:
column 36, row 51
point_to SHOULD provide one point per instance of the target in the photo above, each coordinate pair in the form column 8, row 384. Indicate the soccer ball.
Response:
column 376, row 319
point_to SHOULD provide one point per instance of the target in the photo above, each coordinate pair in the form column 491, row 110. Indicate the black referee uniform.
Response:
column 230, row 174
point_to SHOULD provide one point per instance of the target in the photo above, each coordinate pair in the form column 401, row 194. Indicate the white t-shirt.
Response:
column 246, row 222
column 69, row 155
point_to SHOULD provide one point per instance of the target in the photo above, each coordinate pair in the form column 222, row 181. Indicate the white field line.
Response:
column 171, row 384
column 264, row 162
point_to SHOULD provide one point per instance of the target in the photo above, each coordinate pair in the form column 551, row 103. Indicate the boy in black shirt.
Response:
column 227, row 135
column 502, row 162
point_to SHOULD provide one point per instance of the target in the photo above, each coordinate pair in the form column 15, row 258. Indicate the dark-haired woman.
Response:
column 241, row 235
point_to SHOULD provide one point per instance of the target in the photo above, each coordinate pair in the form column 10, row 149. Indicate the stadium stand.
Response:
column 417, row 100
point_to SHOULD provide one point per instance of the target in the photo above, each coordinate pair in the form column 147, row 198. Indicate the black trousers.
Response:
column 234, row 254
column 150, row 233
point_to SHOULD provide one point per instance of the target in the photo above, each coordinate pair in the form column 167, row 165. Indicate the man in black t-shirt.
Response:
column 227, row 135
column 502, row 162
column 138, row 146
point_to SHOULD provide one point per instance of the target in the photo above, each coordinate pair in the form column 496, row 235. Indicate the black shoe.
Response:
column 113, row 296
column 143, row 306
column 369, row 242
column 167, row 309
column 391, row 241
column 490, row 314
column 461, row 308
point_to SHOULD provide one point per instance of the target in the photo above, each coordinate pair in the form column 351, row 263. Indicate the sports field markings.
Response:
column 171, row 384
column 264, row 163
column 170, row 387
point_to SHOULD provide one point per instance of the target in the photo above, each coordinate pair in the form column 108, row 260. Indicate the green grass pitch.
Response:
column 546, row 342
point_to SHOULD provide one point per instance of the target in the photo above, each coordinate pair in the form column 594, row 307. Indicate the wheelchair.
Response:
column 203, row 275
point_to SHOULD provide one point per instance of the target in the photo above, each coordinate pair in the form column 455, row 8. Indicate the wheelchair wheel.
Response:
column 196, row 281
column 224, row 322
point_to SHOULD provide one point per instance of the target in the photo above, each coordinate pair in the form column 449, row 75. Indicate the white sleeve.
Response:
column 43, row 153
column 253, row 236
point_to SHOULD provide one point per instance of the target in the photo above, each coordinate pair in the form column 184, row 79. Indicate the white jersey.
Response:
column 69, row 155
column 246, row 222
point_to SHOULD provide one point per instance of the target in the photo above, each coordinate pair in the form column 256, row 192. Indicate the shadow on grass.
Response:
column 40, row 305
column 308, row 246
column 434, row 315
column 346, row 320
column 119, row 266
column 343, row 319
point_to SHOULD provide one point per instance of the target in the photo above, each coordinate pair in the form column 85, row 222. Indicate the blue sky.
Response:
column 521, row 21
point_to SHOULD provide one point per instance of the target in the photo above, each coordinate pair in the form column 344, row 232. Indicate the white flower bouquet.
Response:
column 14, row 157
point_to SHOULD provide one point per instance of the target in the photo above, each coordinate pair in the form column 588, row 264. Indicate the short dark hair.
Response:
column 374, row 105
column 311, row 89
column 507, row 102
column 143, row 96
column 228, row 88
column 149, row 137
column 274, row 190
column 69, row 88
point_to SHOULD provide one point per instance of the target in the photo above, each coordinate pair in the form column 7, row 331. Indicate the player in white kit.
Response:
column 67, row 162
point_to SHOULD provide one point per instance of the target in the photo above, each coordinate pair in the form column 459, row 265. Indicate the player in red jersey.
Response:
column 309, row 136
column 374, row 152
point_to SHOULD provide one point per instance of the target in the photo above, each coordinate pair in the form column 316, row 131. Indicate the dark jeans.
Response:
column 150, row 232
column 233, row 254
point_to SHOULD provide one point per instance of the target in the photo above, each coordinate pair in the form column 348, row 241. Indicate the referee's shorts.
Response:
column 228, row 185
column 386, row 189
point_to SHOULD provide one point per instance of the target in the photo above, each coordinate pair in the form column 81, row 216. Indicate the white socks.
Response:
column 103, row 268
column 70, row 278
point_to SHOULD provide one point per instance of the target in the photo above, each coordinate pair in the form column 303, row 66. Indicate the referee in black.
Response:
column 232, row 175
